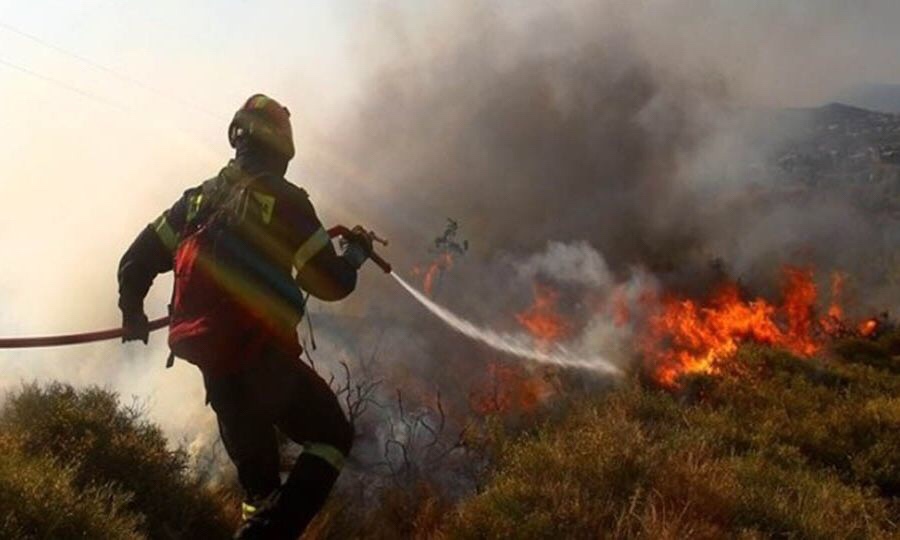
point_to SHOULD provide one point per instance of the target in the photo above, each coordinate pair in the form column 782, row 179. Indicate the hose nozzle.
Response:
column 340, row 230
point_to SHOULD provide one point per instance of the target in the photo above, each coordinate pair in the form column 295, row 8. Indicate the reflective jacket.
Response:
column 240, row 245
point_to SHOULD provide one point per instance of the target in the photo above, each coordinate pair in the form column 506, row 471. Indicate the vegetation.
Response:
column 773, row 446
column 39, row 499
column 76, row 463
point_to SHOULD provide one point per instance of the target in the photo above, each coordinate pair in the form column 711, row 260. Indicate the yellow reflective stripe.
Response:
column 258, row 102
column 165, row 232
column 266, row 205
column 194, row 206
column 330, row 454
column 247, row 511
column 308, row 250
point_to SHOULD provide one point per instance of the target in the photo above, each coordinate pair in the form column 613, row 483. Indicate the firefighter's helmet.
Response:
column 265, row 121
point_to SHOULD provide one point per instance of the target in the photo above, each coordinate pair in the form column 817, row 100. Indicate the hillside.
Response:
column 877, row 97
column 776, row 446
column 844, row 151
column 771, row 446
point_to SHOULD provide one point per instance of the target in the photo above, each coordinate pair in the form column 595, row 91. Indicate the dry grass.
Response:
column 776, row 446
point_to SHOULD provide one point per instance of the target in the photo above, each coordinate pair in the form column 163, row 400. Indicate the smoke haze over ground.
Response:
column 634, row 129
column 603, row 123
column 601, row 146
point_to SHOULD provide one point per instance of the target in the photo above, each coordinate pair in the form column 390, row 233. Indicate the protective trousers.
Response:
column 280, row 391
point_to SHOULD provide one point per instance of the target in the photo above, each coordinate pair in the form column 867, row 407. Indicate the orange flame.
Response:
column 868, row 327
column 441, row 264
column 687, row 337
column 510, row 389
column 514, row 388
column 833, row 322
column 621, row 311
column 541, row 319
column 799, row 305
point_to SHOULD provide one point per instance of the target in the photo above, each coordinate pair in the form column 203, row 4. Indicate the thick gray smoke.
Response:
column 597, row 124
column 606, row 150
column 520, row 346
column 533, row 132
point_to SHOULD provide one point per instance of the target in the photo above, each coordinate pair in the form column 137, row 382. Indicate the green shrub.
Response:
column 105, row 444
column 39, row 499
column 873, row 353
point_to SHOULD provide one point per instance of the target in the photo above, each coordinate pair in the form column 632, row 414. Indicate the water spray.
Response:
column 518, row 345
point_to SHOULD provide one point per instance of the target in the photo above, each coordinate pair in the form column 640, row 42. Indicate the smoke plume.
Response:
column 610, row 149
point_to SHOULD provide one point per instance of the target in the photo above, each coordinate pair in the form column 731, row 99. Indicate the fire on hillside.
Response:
column 685, row 335
column 672, row 334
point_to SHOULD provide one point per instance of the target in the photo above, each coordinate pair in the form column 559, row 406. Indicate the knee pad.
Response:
column 326, row 452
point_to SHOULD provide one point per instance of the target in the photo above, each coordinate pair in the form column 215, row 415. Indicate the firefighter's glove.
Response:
column 135, row 326
column 359, row 247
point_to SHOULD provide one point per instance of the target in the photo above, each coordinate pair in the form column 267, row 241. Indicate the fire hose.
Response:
column 156, row 324
column 510, row 344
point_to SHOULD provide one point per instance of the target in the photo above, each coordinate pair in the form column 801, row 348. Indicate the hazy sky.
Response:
column 88, row 157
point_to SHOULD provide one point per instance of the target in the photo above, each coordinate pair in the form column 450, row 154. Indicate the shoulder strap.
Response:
column 217, row 196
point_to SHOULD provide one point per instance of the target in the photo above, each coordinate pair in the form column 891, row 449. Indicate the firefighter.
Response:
column 244, row 246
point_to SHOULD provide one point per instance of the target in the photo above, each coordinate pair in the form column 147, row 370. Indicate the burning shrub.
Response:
column 513, row 390
column 686, row 336
column 105, row 445
column 542, row 320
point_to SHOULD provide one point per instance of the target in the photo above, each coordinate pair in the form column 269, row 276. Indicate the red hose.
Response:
column 113, row 333
column 72, row 339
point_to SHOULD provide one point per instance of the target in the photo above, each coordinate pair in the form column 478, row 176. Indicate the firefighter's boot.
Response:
column 287, row 513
